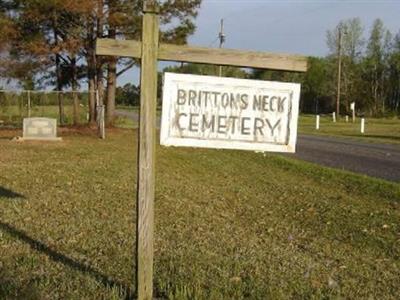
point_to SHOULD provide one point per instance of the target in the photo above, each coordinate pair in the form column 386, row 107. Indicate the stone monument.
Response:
column 40, row 129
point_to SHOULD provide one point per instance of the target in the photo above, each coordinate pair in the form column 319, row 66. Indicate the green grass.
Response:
column 14, row 115
column 380, row 130
column 134, row 108
column 229, row 224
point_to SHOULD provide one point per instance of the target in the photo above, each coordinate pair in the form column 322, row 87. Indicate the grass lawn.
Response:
column 380, row 130
column 229, row 224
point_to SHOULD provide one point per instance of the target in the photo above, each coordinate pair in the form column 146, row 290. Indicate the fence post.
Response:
column 60, row 96
column 29, row 104
column 100, row 121
column 42, row 100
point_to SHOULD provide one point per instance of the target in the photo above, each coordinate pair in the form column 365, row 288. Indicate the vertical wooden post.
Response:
column 317, row 123
column 146, row 153
column 339, row 72
column 29, row 104
column 221, row 42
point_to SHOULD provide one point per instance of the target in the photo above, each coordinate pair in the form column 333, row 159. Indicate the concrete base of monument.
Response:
column 39, row 139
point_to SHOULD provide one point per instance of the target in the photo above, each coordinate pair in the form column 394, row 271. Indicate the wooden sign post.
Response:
column 150, row 51
column 147, row 154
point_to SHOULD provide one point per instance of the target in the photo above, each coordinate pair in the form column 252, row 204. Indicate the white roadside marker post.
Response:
column 334, row 117
column 353, row 110
column 317, row 123
column 362, row 125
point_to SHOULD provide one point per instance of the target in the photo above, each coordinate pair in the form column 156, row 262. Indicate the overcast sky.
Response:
column 282, row 26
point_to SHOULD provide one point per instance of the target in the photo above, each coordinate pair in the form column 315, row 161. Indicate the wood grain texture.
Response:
column 146, row 157
column 226, row 57
column 112, row 47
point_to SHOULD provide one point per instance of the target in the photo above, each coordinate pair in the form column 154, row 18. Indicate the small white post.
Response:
column 317, row 123
column 353, row 109
column 347, row 119
column 334, row 117
column 362, row 125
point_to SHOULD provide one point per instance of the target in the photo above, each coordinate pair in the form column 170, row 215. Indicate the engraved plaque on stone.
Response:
column 40, row 129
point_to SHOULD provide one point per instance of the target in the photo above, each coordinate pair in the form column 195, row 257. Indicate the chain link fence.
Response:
column 69, row 108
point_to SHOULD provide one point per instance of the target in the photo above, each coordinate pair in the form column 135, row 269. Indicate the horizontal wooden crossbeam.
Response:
column 226, row 57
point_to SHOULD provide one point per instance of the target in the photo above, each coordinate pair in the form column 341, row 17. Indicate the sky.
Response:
column 297, row 27
column 284, row 26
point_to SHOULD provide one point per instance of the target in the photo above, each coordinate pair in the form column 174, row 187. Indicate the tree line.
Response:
column 52, row 43
column 370, row 69
column 370, row 72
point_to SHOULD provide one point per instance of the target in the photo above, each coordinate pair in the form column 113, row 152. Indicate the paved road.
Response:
column 377, row 160
column 128, row 114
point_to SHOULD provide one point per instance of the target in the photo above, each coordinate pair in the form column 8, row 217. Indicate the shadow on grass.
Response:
column 10, row 194
column 65, row 260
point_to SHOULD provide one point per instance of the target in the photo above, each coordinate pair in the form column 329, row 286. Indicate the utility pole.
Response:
column 339, row 71
column 222, row 38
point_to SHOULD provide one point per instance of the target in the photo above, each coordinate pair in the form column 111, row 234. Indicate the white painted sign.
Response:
column 352, row 105
column 228, row 113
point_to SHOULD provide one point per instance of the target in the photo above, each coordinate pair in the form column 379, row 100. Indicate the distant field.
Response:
column 383, row 130
column 13, row 115
column 229, row 224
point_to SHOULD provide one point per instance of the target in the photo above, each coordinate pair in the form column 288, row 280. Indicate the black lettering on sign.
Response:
column 222, row 125
column 273, row 100
column 244, row 129
column 258, row 126
column 193, row 126
column 199, row 98
column 233, row 120
column 272, row 128
column 215, row 94
column 234, row 100
column 265, row 103
column 178, row 121
column 257, row 102
column 206, row 96
column 244, row 101
column 208, row 125
column 225, row 100
column 281, row 101
column 192, row 97
column 181, row 97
